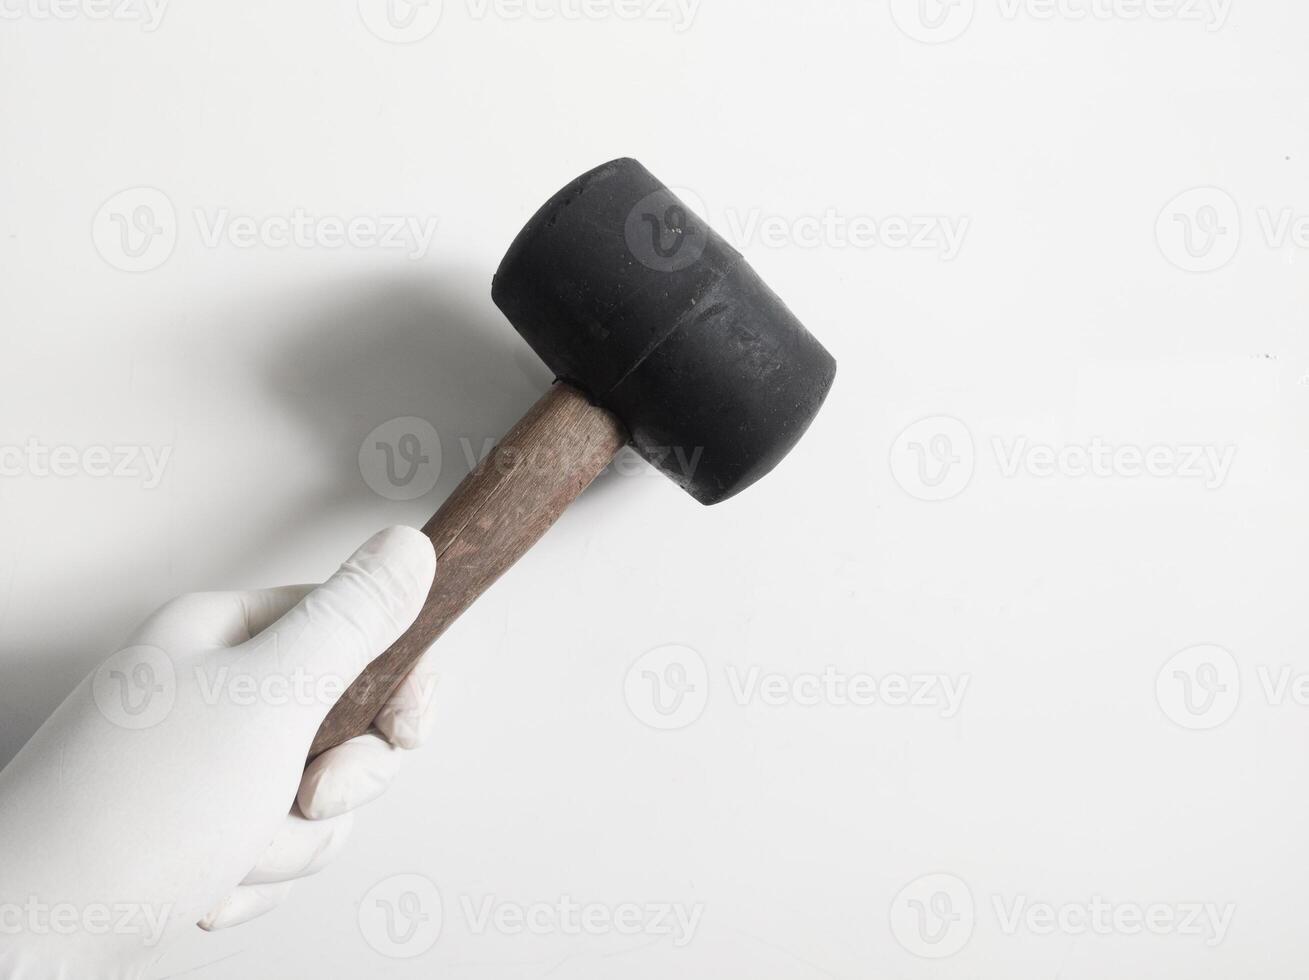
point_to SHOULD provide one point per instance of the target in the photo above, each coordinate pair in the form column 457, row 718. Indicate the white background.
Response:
column 1077, row 309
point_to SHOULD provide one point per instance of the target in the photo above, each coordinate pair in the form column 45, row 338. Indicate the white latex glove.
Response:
column 156, row 797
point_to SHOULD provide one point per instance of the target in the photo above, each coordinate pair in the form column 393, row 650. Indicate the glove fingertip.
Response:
column 244, row 903
column 403, row 727
column 347, row 776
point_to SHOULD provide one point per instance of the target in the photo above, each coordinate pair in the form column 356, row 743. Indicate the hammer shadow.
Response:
column 435, row 349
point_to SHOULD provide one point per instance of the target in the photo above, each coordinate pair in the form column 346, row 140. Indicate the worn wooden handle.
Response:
column 494, row 516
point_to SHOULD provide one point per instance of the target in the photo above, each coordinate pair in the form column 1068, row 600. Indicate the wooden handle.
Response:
column 494, row 516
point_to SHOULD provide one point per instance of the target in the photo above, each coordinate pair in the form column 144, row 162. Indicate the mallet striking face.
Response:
column 661, row 336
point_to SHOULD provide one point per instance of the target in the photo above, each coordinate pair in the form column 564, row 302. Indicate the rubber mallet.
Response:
column 660, row 336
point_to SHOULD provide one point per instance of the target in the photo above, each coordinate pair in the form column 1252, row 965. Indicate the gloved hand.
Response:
column 156, row 797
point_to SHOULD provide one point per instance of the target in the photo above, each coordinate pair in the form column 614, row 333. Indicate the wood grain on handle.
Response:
column 494, row 516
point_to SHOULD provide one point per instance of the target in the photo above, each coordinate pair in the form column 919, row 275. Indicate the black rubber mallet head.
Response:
column 661, row 336
column 630, row 297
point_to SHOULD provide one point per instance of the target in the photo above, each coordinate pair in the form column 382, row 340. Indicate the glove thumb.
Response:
column 351, row 619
